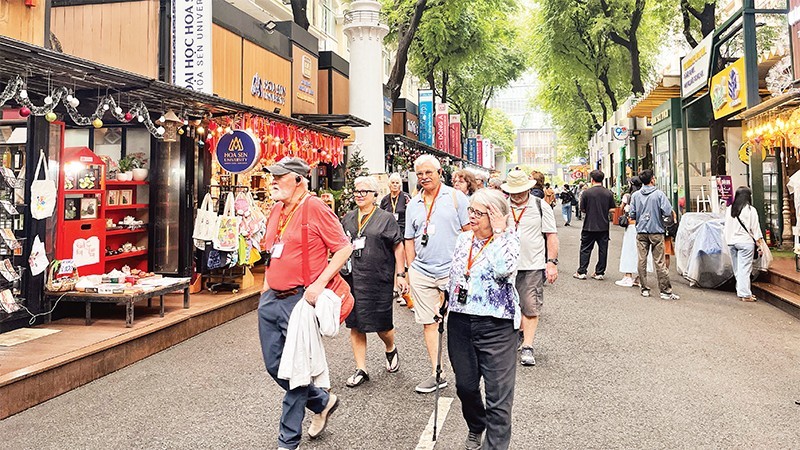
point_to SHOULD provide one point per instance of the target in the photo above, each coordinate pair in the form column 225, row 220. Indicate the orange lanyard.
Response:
column 394, row 203
column 430, row 210
column 282, row 224
column 362, row 221
column 470, row 261
column 517, row 219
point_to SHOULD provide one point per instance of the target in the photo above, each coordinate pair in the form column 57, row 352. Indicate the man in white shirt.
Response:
column 538, row 258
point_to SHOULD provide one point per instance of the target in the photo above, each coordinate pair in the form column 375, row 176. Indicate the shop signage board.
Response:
column 472, row 145
column 728, row 90
column 412, row 127
column 620, row 133
column 268, row 90
column 238, row 151
column 488, row 154
column 726, row 9
column 191, row 45
column 725, row 189
column 426, row 116
column 387, row 110
column 695, row 67
column 442, row 127
column 455, row 135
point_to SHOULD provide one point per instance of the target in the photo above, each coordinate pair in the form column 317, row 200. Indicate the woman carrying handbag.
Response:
column 743, row 236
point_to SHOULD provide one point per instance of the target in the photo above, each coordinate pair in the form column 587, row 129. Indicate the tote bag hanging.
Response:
column 226, row 236
column 43, row 192
column 205, row 223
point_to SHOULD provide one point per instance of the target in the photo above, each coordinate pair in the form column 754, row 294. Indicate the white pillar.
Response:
column 365, row 29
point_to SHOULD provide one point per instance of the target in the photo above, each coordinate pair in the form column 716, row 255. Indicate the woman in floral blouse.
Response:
column 484, row 316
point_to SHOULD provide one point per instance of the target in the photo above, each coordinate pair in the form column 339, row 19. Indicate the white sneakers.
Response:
column 625, row 282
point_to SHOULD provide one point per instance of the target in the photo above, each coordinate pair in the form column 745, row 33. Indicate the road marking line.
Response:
column 426, row 441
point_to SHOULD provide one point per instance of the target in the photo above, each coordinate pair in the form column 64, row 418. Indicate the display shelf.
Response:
column 113, row 232
column 112, row 183
column 124, row 207
column 127, row 255
column 83, row 191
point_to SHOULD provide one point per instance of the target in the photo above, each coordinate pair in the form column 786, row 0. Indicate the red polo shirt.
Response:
column 325, row 235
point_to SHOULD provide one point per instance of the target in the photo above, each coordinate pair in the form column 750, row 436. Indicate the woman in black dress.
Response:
column 377, row 266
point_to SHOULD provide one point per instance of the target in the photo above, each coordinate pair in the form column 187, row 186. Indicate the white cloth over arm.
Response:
column 303, row 361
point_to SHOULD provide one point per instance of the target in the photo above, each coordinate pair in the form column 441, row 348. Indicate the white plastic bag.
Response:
column 205, row 224
column 43, row 192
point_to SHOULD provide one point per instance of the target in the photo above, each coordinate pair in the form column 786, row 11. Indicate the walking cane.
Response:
column 440, row 319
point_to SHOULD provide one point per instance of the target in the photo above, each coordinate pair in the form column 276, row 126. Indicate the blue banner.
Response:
column 471, row 153
column 238, row 151
column 426, row 116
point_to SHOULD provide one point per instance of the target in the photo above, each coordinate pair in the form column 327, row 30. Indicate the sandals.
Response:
column 357, row 379
column 752, row 298
column 392, row 361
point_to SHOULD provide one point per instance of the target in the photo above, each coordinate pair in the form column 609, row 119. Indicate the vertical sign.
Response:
column 479, row 152
column 488, row 154
column 455, row 135
column 472, row 145
column 725, row 189
column 191, row 45
column 442, row 126
column 695, row 67
column 426, row 116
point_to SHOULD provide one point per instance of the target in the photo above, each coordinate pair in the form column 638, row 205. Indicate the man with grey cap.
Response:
column 289, row 248
column 538, row 256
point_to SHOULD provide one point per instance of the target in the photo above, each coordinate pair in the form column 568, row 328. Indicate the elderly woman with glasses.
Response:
column 376, row 269
column 484, row 315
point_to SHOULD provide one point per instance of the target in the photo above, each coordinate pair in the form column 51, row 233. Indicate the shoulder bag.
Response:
column 226, row 236
column 205, row 222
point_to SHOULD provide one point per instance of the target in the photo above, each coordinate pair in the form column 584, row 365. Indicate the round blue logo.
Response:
column 238, row 151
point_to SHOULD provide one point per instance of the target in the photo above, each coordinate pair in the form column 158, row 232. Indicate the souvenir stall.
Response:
column 231, row 220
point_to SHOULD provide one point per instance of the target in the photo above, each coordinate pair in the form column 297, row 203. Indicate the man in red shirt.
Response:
column 284, row 286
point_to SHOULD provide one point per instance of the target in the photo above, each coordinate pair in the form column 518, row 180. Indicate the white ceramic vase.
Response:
column 139, row 174
column 125, row 176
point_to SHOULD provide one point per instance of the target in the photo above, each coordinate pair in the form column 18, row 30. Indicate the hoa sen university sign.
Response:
column 191, row 45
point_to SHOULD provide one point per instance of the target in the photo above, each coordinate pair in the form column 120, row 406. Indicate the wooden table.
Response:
column 127, row 299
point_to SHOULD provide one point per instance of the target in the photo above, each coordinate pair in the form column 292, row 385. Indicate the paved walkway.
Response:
column 614, row 370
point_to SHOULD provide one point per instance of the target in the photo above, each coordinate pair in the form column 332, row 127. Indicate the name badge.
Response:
column 396, row 216
column 359, row 243
column 431, row 229
column 277, row 250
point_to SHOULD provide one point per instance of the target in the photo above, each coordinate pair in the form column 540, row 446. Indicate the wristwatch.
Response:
column 553, row 260
column 401, row 275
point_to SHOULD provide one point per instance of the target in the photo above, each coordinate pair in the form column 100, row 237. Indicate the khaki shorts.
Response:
column 427, row 295
column 530, row 286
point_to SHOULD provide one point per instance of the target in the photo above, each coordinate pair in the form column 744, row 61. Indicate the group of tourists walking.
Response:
column 479, row 256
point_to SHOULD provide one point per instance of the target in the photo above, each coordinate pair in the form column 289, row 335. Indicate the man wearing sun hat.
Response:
column 538, row 256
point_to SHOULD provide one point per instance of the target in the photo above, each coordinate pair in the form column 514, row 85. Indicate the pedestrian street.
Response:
column 613, row 370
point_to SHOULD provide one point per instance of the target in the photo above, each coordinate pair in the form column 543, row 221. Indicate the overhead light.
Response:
column 269, row 27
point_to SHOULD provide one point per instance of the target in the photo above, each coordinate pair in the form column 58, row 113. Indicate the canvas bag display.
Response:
column 43, row 192
column 205, row 222
column 226, row 236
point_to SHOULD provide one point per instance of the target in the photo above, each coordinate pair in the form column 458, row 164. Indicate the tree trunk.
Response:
column 299, row 14
column 443, row 90
column 716, row 135
column 398, row 73
column 609, row 92
column 637, row 86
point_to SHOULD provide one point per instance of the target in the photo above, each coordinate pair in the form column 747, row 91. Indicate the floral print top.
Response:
column 490, row 288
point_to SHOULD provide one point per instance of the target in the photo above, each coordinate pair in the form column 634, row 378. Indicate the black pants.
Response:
column 481, row 346
column 588, row 239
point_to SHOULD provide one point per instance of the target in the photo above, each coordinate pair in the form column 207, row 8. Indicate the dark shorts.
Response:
column 530, row 286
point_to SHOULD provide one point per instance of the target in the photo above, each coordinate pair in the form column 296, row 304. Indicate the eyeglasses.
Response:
column 478, row 214
column 426, row 174
column 363, row 193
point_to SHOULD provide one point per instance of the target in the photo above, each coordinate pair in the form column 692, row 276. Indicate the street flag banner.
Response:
column 472, row 145
column 191, row 45
column 488, row 154
column 455, row 135
column 426, row 116
column 479, row 152
column 442, row 127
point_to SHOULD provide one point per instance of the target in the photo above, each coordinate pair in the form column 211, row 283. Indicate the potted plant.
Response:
column 125, row 169
column 139, row 161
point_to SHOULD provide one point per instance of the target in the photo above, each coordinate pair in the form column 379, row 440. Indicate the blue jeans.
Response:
column 273, row 320
column 484, row 347
column 742, row 257
column 566, row 211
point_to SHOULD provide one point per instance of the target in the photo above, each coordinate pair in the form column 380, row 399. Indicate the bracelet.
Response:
column 401, row 275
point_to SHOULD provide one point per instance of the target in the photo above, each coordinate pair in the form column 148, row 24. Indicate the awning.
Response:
column 44, row 69
column 333, row 120
column 667, row 88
